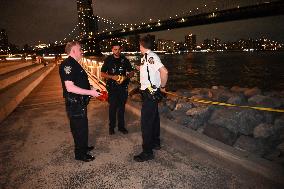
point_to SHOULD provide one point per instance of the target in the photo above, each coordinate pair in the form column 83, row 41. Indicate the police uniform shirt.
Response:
column 116, row 66
column 154, row 64
column 71, row 70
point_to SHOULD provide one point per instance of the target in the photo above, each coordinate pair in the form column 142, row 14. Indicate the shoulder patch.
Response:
column 67, row 69
column 151, row 60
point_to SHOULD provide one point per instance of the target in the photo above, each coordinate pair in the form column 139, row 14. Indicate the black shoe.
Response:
column 143, row 157
column 111, row 132
column 123, row 130
column 157, row 147
column 85, row 158
column 90, row 148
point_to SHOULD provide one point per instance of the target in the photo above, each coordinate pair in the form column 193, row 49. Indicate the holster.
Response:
column 76, row 105
column 152, row 95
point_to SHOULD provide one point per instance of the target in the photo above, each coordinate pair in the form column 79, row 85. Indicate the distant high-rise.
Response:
column 165, row 45
column 88, row 23
column 4, row 44
column 207, row 44
column 216, row 44
column 190, row 42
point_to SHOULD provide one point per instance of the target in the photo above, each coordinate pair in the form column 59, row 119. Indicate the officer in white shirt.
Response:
column 153, row 77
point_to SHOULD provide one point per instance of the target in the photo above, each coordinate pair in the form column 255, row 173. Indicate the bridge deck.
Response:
column 36, row 151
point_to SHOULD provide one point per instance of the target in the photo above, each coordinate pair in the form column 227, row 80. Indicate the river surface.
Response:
column 264, row 70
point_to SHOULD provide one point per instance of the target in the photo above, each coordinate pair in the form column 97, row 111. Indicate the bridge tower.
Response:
column 88, row 25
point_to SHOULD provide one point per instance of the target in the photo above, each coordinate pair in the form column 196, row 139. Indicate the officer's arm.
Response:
column 70, row 87
column 164, row 76
column 107, row 76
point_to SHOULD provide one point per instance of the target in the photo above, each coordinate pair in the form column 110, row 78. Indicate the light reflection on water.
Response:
column 259, row 69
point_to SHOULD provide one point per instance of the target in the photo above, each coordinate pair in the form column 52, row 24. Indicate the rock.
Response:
column 169, row 116
column 269, row 117
column 181, row 118
column 221, row 95
column 183, row 100
column 172, row 98
column 279, row 124
column 251, row 92
column 264, row 101
column 136, row 97
column 221, row 134
column 273, row 156
column 280, row 147
column 199, row 116
column 184, row 106
column 164, row 109
column 263, row 130
column 236, row 120
column 237, row 100
column 199, row 112
column 237, row 89
column 171, row 104
column 195, row 123
column 184, row 92
column 252, row 145
column 199, row 91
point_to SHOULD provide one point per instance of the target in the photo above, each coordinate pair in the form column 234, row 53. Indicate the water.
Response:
column 264, row 70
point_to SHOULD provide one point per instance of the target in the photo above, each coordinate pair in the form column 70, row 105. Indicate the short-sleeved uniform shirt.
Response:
column 154, row 64
column 71, row 70
column 116, row 66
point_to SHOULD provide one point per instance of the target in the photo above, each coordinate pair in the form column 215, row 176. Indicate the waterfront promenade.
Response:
column 36, row 151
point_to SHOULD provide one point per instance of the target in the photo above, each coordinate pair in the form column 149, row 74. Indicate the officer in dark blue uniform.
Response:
column 77, row 92
column 117, row 70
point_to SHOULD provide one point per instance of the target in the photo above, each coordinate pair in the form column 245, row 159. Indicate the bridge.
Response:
column 238, row 13
column 91, row 36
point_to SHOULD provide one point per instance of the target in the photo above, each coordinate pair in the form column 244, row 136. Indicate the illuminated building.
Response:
column 4, row 45
column 88, row 25
column 216, row 44
column 166, row 45
column 190, row 42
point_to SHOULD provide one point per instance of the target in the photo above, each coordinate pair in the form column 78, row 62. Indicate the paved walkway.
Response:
column 36, row 151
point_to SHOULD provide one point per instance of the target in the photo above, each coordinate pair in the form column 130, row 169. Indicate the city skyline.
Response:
column 47, row 22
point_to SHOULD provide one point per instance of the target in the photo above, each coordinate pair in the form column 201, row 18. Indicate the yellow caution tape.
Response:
column 226, row 104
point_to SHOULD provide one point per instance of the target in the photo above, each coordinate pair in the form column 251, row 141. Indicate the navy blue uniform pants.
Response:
column 79, row 128
column 117, row 98
column 150, row 124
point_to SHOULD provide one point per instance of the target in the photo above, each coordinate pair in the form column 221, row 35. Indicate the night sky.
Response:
column 28, row 21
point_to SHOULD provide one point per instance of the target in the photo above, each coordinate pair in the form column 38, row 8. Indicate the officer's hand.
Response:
column 120, row 79
column 95, row 93
column 130, row 74
column 114, row 77
column 163, row 90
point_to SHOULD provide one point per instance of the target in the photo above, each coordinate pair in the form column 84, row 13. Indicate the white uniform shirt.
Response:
column 154, row 64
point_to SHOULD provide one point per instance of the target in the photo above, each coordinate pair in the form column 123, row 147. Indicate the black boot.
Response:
column 143, row 156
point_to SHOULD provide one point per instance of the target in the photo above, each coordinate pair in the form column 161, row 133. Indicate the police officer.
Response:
column 153, row 77
column 117, row 70
column 77, row 91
